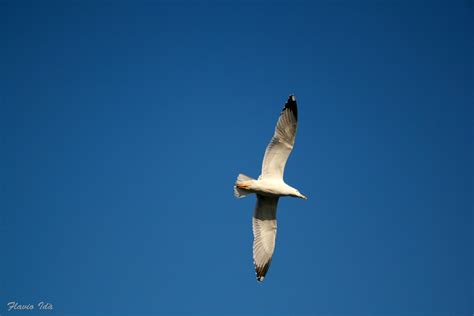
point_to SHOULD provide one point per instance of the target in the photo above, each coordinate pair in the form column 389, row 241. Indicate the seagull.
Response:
column 269, row 187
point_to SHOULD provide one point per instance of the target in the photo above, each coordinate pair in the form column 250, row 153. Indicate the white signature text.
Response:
column 15, row 306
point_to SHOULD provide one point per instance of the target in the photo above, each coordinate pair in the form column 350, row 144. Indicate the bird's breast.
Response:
column 270, row 187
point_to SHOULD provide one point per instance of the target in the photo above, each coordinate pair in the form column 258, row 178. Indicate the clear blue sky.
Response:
column 124, row 126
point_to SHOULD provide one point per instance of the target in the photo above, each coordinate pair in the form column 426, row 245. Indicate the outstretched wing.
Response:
column 264, row 233
column 282, row 142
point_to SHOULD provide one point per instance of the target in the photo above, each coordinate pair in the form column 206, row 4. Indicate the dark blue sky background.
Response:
column 124, row 126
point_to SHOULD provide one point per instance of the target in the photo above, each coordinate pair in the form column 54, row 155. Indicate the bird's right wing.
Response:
column 264, row 233
column 280, row 146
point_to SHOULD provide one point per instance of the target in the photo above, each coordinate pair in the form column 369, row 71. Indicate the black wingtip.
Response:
column 261, row 271
column 291, row 105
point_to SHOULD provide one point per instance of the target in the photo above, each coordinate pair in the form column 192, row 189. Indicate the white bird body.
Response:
column 270, row 186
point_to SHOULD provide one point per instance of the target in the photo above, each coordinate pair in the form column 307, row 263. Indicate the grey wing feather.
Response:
column 264, row 232
column 279, row 148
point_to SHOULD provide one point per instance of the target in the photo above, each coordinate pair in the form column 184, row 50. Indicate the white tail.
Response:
column 240, row 192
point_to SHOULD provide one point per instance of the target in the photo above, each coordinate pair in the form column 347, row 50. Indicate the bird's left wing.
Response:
column 282, row 142
column 264, row 233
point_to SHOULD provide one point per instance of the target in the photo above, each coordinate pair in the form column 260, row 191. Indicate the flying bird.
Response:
column 270, row 186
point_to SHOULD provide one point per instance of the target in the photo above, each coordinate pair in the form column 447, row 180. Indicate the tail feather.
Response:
column 239, row 192
column 242, row 177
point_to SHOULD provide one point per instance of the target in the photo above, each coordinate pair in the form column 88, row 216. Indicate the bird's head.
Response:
column 297, row 194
